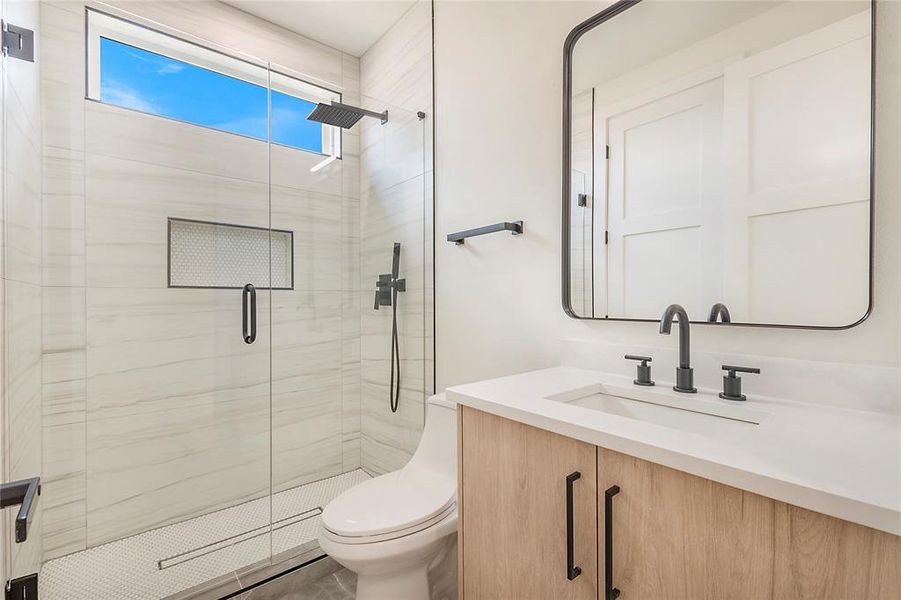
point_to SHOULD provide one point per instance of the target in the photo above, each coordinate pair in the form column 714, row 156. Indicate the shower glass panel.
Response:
column 170, row 292
column 395, row 208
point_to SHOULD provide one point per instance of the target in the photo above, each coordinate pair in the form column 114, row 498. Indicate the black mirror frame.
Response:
column 568, row 47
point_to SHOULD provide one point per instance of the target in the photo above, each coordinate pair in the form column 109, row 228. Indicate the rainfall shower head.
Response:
column 343, row 115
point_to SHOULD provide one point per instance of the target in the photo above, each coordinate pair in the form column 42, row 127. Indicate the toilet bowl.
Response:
column 390, row 530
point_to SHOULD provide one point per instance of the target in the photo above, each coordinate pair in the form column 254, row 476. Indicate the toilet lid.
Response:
column 390, row 503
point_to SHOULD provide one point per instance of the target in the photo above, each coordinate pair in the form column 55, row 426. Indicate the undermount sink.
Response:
column 696, row 413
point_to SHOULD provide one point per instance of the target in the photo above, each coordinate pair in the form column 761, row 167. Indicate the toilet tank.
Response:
column 437, row 450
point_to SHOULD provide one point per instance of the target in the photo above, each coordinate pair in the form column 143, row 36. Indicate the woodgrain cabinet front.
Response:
column 546, row 517
column 676, row 536
column 528, row 512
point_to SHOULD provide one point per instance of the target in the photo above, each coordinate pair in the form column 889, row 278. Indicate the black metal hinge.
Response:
column 606, row 237
column 18, row 42
column 23, row 588
column 606, row 151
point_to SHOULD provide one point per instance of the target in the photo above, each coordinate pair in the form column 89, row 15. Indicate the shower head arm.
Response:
column 381, row 116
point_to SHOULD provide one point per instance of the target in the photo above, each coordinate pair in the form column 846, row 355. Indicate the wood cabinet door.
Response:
column 512, row 499
column 823, row 558
column 676, row 536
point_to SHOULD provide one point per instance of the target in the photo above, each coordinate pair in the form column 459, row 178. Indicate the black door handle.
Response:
column 610, row 592
column 249, row 313
column 572, row 571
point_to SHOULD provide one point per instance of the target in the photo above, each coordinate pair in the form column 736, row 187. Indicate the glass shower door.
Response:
column 168, row 295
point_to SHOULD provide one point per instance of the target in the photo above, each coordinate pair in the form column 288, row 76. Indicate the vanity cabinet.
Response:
column 679, row 536
column 673, row 535
column 513, row 533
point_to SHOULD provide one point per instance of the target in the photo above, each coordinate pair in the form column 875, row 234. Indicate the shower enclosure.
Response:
column 192, row 361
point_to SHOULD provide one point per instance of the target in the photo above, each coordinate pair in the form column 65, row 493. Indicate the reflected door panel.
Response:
column 799, row 178
column 663, row 199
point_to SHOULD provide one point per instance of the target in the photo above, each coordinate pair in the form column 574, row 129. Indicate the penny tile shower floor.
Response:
column 165, row 561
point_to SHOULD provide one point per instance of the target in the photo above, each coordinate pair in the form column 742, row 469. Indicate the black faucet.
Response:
column 684, row 372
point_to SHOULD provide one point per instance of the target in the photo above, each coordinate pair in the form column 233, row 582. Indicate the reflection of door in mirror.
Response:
column 797, row 154
column 663, row 196
column 720, row 152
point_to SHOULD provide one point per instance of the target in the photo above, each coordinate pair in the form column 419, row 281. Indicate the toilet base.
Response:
column 398, row 569
column 411, row 584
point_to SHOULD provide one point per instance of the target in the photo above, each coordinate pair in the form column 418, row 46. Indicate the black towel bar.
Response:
column 458, row 238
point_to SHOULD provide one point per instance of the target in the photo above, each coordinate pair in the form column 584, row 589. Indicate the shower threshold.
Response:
column 186, row 555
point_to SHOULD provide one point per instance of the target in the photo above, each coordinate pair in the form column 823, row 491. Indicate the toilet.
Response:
column 390, row 530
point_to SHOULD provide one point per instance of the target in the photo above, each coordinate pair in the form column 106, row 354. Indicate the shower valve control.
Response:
column 383, row 289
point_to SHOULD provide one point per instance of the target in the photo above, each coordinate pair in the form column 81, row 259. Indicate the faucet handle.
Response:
column 644, row 370
column 732, row 383
column 732, row 370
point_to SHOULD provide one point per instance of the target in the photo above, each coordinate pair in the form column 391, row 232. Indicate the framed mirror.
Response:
column 719, row 155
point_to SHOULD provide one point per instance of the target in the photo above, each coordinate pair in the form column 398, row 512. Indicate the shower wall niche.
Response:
column 162, row 429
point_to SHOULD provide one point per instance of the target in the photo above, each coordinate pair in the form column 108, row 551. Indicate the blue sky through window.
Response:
column 134, row 78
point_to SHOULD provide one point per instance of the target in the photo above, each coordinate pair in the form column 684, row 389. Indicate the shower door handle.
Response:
column 249, row 313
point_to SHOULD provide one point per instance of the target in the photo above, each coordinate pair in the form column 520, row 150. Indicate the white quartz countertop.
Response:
column 840, row 462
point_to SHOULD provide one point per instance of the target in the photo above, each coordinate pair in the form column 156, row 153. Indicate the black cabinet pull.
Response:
column 249, row 293
column 572, row 571
column 610, row 592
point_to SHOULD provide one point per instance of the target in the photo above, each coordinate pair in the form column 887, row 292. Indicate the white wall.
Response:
column 498, row 134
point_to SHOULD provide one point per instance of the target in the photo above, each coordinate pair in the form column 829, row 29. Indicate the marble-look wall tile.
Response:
column 306, row 387
column 127, row 134
column 350, row 378
column 62, row 76
column 398, row 68
column 428, row 274
column 291, row 168
column 22, row 391
column 22, row 81
column 178, row 407
column 350, row 243
column 350, row 78
column 63, row 407
column 389, row 439
column 315, row 220
column 350, row 275
column 128, row 204
column 391, row 153
column 63, row 388
column 393, row 215
column 63, row 260
column 20, row 280
column 22, row 238
column 63, row 275
column 63, row 171
column 396, row 74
